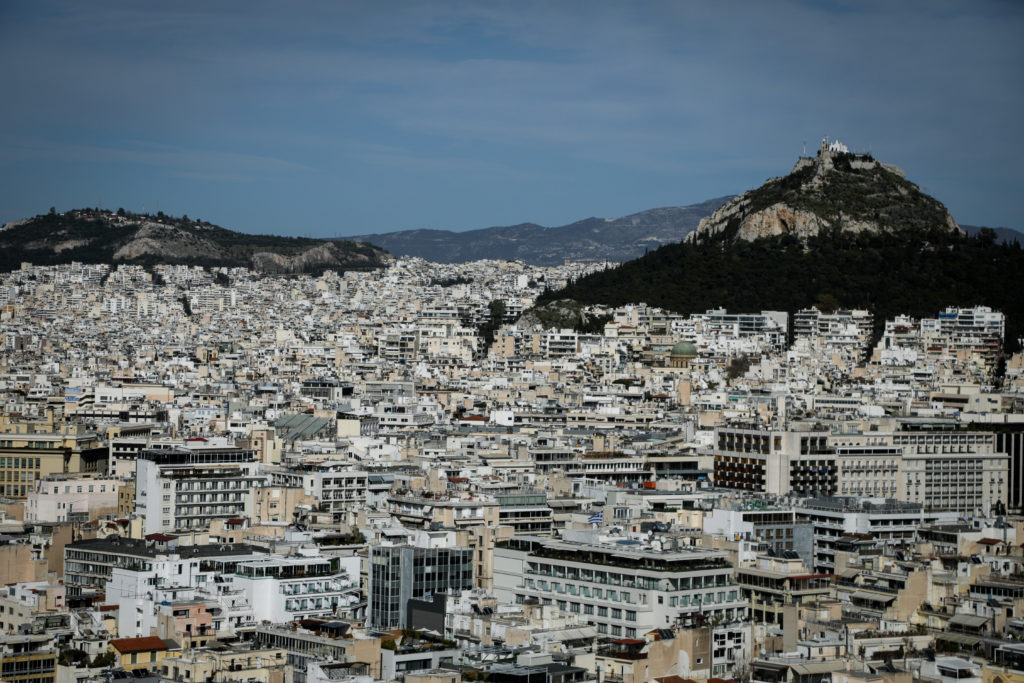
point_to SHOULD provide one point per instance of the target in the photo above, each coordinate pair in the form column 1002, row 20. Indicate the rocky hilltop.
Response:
column 97, row 236
column 612, row 239
column 834, row 190
column 842, row 230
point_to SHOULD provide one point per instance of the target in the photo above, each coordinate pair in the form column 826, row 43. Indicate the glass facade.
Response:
column 401, row 573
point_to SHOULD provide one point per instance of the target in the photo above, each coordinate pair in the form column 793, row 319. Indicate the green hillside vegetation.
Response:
column 887, row 273
column 94, row 236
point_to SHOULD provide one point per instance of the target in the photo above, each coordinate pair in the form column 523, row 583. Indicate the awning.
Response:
column 809, row 668
column 968, row 620
column 585, row 633
column 873, row 597
column 959, row 638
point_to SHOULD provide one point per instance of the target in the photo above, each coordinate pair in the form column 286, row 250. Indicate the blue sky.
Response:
column 340, row 118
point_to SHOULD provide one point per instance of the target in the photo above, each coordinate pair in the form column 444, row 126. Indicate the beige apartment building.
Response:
column 33, row 450
column 942, row 469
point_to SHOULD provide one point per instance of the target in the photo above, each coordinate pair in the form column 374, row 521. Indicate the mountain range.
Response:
column 1003, row 235
column 782, row 205
column 612, row 239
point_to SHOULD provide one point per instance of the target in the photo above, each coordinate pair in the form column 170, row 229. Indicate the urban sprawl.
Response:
column 210, row 476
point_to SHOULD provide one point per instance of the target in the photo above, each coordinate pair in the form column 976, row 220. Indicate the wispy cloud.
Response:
column 194, row 161
column 607, row 101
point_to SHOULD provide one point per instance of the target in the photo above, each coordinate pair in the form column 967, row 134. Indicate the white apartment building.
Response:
column 890, row 522
column 944, row 469
column 940, row 469
column 178, row 489
column 168, row 576
column 284, row 589
column 625, row 586
column 338, row 486
column 69, row 497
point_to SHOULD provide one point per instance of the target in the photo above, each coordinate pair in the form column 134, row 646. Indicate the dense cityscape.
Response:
column 584, row 341
column 214, row 475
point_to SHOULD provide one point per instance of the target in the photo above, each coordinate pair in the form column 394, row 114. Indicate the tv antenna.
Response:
column 805, row 148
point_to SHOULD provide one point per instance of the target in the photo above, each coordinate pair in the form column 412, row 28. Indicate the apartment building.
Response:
column 526, row 511
column 89, row 564
column 624, row 586
column 778, row 584
column 845, row 327
column 285, row 589
column 339, row 486
column 883, row 522
column 754, row 520
column 32, row 450
column 400, row 573
column 426, row 509
column 186, row 488
column 780, row 463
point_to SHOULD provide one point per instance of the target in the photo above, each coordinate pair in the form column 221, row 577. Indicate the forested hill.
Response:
column 886, row 273
column 99, row 236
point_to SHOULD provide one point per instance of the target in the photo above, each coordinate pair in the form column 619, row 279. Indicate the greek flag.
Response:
column 597, row 517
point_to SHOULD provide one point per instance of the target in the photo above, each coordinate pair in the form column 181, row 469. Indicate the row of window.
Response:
column 626, row 598
column 18, row 476
column 629, row 580
column 31, row 444
column 91, row 488
column 19, row 463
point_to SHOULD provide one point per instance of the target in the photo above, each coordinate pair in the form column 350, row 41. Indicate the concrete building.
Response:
column 186, row 488
column 400, row 573
column 779, row 463
column 622, row 585
column 65, row 498
column 886, row 523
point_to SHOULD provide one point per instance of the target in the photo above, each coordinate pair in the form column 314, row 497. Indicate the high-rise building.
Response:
column 186, row 488
column 401, row 573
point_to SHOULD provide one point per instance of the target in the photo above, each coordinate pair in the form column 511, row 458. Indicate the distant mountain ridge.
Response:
column 1003, row 235
column 613, row 239
column 99, row 236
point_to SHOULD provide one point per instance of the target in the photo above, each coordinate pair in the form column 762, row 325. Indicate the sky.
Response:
column 348, row 117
